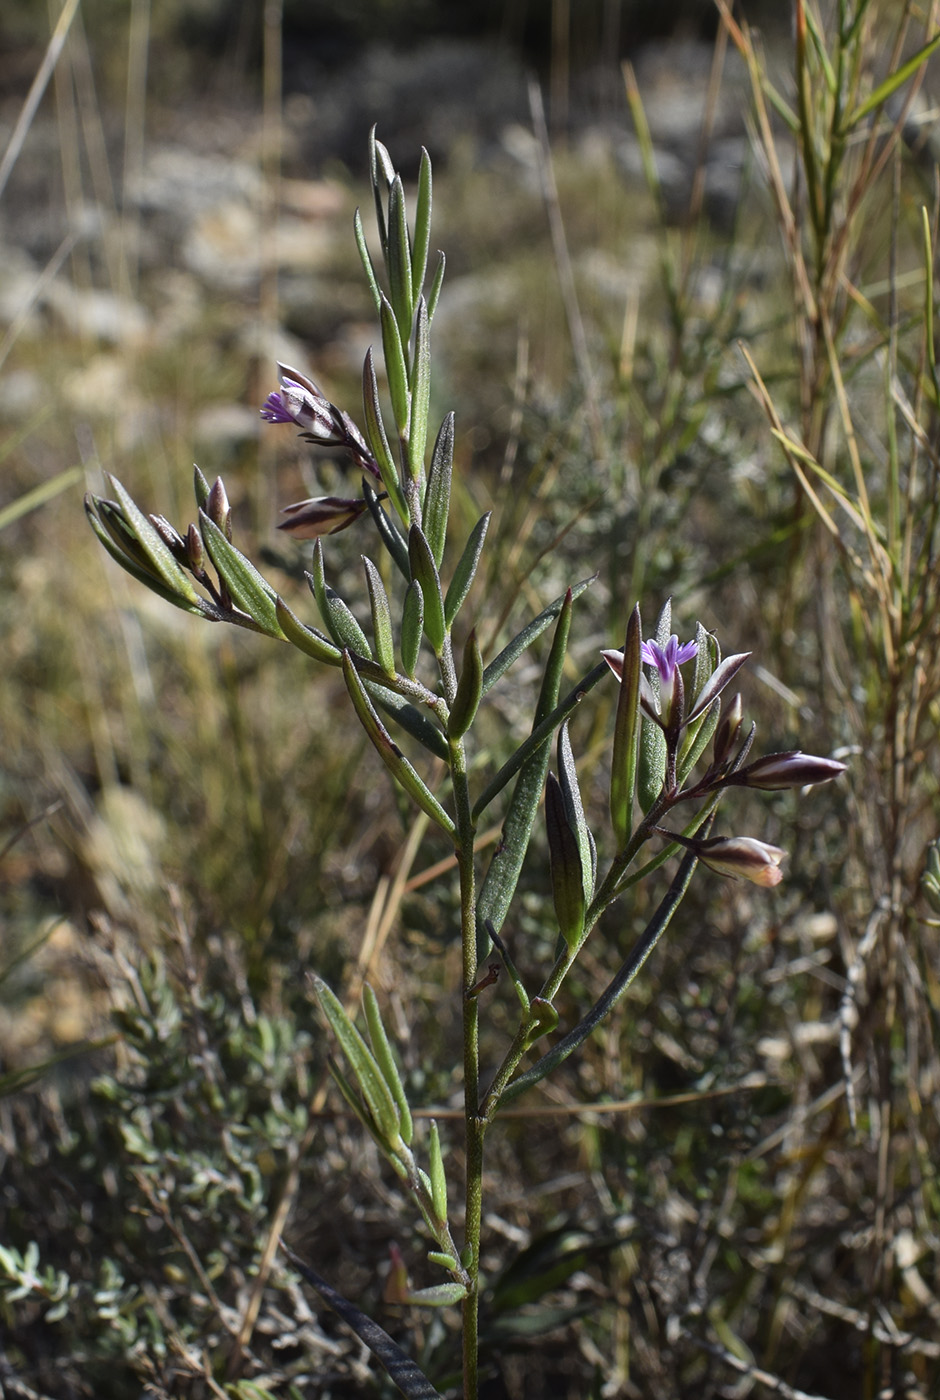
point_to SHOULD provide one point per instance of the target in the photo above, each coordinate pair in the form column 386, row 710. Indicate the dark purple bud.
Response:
column 170, row 537
column 321, row 515
column 195, row 551
column 726, row 735
column 787, row 770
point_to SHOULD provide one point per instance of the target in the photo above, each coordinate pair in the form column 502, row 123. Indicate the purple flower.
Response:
column 666, row 662
column 299, row 401
column 667, row 658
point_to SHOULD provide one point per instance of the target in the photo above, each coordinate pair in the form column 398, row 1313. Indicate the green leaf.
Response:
column 412, row 628
column 566, row 867
column 250, row 591
column 201, row 488
column 364, row 1065
column 502, row 877
column 510, row 653
column 436, row 285
column 465, row 571
column 437, row 496
column 469, row 689
column 385, row 1059
column 626, row 735
column 891, row 84
column 574, row 810
column 389, row 533
column 420, row 393
column 389, row 752
column 411, row 719
column 103, row 523
column 424, row 571
column 540, row 733
column 398, row 260
column 306, row 639
column 171, row 574
column 422, row 238
column 378, row 441
column 445, row 1261
column 337, row 617
column 381, row 618
column 438, row 1178
column 367, row 263
column 396, row 369
column 381, row 174
column 439, row 1295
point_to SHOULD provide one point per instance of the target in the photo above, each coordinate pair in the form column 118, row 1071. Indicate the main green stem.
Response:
column 474, row 1124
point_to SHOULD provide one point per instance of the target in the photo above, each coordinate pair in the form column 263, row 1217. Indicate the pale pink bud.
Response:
column 787, row 770
column 741, row 857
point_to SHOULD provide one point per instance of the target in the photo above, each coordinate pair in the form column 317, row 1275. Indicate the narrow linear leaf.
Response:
column 574, row 809
column 412, row 628
column 365, row 256
column 420, row 391
column 422, row 238
column 201, row 608
column 439, row 1295
column 396, row 368
column 437, row 496
column 389, row 533
column 566, row 866
column 306, row 639
column 436, row 285
column 389, row 752
column 465, row 571
column 378, row 441
column 398, row 260
column 387, row 1063
column 626, row 735
column 540, row 733
column 381, row 618
column 424, row 572
column 438, row 1178
column 410, row 1380
column 381, row 174
column 891, row 84
column 250, row 591
column 172, row 574
column 337, row 617
column 363, row 1063
column 469, row 689
column 411, row 719
column 533, row 630
column 445, row 1261
column 201, row 488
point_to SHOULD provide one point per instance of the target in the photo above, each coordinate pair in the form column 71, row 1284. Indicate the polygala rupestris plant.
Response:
column 416, row 690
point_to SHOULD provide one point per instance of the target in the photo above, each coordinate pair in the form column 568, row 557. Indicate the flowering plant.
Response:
column 416, row 691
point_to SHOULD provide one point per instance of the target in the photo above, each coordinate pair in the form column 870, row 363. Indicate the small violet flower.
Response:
column 299, row 400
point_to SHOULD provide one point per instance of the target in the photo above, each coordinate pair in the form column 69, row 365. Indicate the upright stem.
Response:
column 474, row 1125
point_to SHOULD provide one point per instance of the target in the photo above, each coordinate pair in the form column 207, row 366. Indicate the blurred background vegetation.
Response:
column 189, row 819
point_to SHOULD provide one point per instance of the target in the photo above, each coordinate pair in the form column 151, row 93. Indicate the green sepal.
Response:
column 100, row 519
column 398, row 260
column 438, row 1179
column 155, row 549
column 396, row 368
column 369, row 1078
column 574, row 810
column 533, row 630
column 422, row 238
column 502, row 877
column 466, row 569
column 626, row 735
column 437, row 496
column 381, row 618
column 697, row 735
column 420, row 395
column 377, row 438
column 412, row 628
column 469, row 689
column 249, row 590
column 385, row 1059
column 389, row 752
column 444, row 1261
column 337, row 618
column 368, row 266
column 566, row 867
column 306, row 639
column 424, row 571
column 544, row 1020
column 389, row 533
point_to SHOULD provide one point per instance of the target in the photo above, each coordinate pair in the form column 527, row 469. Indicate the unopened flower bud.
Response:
column 218, row 509
column 787, row 770
column 742, row 857
column 195, row 550
column 726, row 735
column 321, row 515
column 170, row 537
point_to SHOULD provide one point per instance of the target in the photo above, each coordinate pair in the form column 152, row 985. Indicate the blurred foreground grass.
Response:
column 206, row 826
